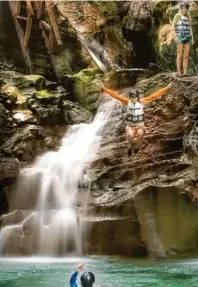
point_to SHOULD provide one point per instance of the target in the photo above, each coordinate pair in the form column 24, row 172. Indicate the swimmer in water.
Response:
column 87, row 279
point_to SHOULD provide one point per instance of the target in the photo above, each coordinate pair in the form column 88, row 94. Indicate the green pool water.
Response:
column 109, row 271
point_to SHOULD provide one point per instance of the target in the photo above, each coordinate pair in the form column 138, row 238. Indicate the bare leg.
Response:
column 185, row 58
column 131, row 132
column 140, row 135
column 179, row 57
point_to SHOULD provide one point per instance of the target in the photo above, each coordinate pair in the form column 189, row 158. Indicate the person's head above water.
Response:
column 134, row 95
column 87, row 279
column 184, row 6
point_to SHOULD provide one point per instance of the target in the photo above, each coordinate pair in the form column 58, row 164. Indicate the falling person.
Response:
column 135, row 114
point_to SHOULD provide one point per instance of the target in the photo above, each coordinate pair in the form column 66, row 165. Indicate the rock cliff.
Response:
column 139, row 205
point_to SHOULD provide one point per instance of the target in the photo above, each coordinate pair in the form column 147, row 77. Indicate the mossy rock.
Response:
column 44, row 94
column 43, row 97
column 74, row 114
column 16, row 96
column 20, row 81
column 85, row 90
column 37, row 81
column 69, row 59
column 87, row 75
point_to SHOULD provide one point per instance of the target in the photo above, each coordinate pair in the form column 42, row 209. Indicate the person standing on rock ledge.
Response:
column 135, row 114
column 184, row 37
column 87, row 279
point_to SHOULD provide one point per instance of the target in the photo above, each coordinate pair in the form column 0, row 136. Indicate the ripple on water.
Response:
column 109, row 272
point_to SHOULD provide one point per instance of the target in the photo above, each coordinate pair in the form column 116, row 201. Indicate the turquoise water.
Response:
column 109, row 271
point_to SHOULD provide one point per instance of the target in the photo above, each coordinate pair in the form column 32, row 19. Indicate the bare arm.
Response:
column 116, row 96
column 156, row 95
column 175, row 20
column 174, row 30
column 191, row 31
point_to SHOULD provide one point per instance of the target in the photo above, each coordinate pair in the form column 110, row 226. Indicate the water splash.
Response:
column 50, row 187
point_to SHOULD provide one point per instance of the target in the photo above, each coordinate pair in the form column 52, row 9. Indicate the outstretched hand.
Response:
column 80, row 267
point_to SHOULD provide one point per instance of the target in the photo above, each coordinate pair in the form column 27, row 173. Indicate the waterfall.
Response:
column 98, row 53
column 51, row 185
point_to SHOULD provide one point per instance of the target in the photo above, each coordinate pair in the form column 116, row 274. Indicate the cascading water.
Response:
column 50, row 186
column 98, row 53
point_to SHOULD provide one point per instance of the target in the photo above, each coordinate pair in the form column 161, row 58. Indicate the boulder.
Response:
column 31, row 140
column 74, row 113
column 85, row 90
column 9, row 168
column 23, row 116
column 13, row 78
column 16, row 95
column 37, row 81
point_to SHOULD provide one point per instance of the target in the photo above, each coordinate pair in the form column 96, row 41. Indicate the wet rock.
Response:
column 166, row 159
column 105, row 238
column 23, row 116
column 3, row 115
column 30, row 141
column 177, row 251
column 49, row 115
column 74, row 113
column 9, row 168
